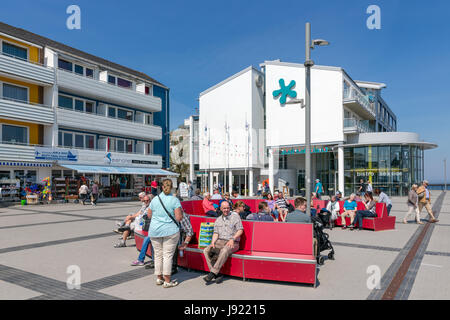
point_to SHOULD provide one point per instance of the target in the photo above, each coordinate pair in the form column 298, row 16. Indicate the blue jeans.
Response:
column 275, row 213
column 360, row 214
column 389, row 208
column 144, row 249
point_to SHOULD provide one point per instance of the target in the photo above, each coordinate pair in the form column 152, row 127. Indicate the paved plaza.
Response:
column 42, row 245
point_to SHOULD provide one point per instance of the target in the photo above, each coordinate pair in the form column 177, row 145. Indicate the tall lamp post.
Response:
column 308, row 64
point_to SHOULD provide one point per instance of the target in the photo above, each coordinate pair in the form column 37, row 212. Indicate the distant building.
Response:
column 248, row 134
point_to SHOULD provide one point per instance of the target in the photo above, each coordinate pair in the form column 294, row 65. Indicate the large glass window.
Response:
column 111, row 112
column 360, row 156
column 79, row 105
column 15, row 92
column 68, row 139
column 65, row 102
column 79, row 69
column 124, row 83
column 89, row 142
column 63, row 64
column 89, row 73
column 14, row 134
column 120, row 145
column 111, row 79
column 90, row 107
column 14, row 51
column 124, row 114
column 79, row 141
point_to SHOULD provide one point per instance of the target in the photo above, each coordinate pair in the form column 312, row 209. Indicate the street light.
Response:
column 308, row 64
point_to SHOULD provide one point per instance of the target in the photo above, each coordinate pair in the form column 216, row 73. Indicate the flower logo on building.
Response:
column 285, row 91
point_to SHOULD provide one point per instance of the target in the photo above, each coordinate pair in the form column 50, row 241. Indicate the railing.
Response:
column 25, row 60
column 360, row 125
column 24, row 101
column 102, row 81
column 353, row 94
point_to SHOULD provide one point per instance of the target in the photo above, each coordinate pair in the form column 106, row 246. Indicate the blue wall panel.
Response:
column 162, row 119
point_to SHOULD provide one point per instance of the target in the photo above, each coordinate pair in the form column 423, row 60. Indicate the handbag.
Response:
column 206, row 234
column 173, row 219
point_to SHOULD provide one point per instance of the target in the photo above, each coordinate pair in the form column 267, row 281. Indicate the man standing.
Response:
column 318, row 189
column 227, row 233
column 369, row 186
column 94, row 194
column 425, row 200
column 362, row 188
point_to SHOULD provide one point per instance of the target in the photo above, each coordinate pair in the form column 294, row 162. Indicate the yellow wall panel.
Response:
column 33, row 52
column 33, row 89
column 33, row 129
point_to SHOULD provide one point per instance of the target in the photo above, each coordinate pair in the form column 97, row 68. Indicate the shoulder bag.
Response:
column 173, row 219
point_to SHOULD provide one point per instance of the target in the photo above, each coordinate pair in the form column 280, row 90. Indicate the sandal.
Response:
column 170, row 284
column 159, row 282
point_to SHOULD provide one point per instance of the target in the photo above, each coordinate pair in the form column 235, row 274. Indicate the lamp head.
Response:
column 320, row 42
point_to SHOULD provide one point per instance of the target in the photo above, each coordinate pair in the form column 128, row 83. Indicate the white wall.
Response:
column 234, row 101
column 285, row 123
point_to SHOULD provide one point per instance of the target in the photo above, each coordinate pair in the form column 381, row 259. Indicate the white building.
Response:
column 65, row 113
column 248, row 134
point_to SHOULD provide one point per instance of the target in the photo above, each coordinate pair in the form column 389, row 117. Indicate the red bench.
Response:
column 379, row 223
column 267, row 250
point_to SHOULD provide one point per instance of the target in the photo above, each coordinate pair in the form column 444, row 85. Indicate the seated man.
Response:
column 350, row 210
column 227, row 233
column 263, row 213
column 281, row 205
column 208, row 206
column 128, row 224
column 299, row 214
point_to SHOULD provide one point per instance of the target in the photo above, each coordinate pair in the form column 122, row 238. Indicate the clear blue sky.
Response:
column 191, row 45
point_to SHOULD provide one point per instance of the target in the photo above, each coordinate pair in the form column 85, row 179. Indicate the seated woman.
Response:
column 271, row 203
column 226, row 197
column 208, row 206
column 350, row 210
column 330, row 213
column 263, row 213
column 370, row 205
column 239, row 208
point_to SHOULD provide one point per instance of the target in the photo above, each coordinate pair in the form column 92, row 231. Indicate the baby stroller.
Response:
column 322, row 241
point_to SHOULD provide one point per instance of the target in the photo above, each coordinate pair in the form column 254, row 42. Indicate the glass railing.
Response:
column 24, row 101
column 352, row 94
column 359, row 125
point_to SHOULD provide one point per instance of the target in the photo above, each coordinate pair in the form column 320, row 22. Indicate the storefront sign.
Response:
column 42, row 153
column 144, row 162
column 302, row 151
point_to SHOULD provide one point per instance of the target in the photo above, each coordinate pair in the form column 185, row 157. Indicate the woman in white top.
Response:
column 83, row 192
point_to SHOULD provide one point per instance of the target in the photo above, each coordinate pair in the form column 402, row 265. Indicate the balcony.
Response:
column 356, row 126
column 100, row 90
column 16, row 152
column 26, row 69
column 25, row 111
column 359, row 103
column 109, row 126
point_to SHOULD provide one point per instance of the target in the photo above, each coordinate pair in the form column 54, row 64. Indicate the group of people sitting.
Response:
column 169, row 232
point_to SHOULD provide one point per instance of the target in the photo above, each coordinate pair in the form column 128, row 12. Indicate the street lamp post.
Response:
column 308, row 64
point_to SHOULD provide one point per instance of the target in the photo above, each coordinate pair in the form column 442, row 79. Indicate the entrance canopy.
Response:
column 119, row 170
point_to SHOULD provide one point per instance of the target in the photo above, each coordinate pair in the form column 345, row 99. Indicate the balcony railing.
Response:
column 24, row 101
column 351, row 94
column 21, row 110
column 22, row 59
column 358, row 125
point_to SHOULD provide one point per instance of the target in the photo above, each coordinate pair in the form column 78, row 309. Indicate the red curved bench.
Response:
column 379, row 223
column 286, row 255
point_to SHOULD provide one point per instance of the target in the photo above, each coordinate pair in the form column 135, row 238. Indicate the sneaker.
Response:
column 124, row 228
column 209, row 277
column 159, row 282
column 170, row 284
column 219, row 278
column 137, row 263
column 121, row 244
column 344, row 227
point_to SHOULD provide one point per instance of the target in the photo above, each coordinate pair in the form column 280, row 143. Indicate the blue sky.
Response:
column 192, row 45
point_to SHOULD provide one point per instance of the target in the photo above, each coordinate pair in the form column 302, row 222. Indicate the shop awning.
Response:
column 119, row 170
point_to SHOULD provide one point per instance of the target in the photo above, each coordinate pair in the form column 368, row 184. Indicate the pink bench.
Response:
column 379, row 223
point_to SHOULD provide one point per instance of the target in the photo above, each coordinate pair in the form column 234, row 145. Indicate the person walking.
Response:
column 425, row 200
column 318, row 189
column 83, row 192
column 94, row 194
column 166, row 214
column 413, row 203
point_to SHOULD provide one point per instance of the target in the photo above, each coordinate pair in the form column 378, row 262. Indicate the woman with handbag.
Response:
column 412, row 203
column 165, row 212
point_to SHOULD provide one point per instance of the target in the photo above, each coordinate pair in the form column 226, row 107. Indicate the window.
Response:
column 124, row 83
column 124, row 114
column 89, row 73
column 111, row 112
column 120, row 145
column 129, row 145
column 14, row 51
column 14, row 134
column 65, row 102
column 147, row 90
column 89, row 142
column 79, row 141
column 60, row 138
column 89, row 107
column 111, row 79
column 149, row 118
column 149, row 148
column 79, row 105
column 79, row 69
column 14, row 92
column 66, row 65
column 68, row 142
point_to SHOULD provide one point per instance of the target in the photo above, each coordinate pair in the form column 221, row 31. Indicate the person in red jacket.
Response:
column 208, row 206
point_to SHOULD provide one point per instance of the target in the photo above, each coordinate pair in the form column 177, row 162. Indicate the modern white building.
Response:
column 248, row 134
column 67, row 114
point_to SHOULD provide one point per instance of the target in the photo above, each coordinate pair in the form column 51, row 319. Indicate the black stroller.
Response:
column 322, row 241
